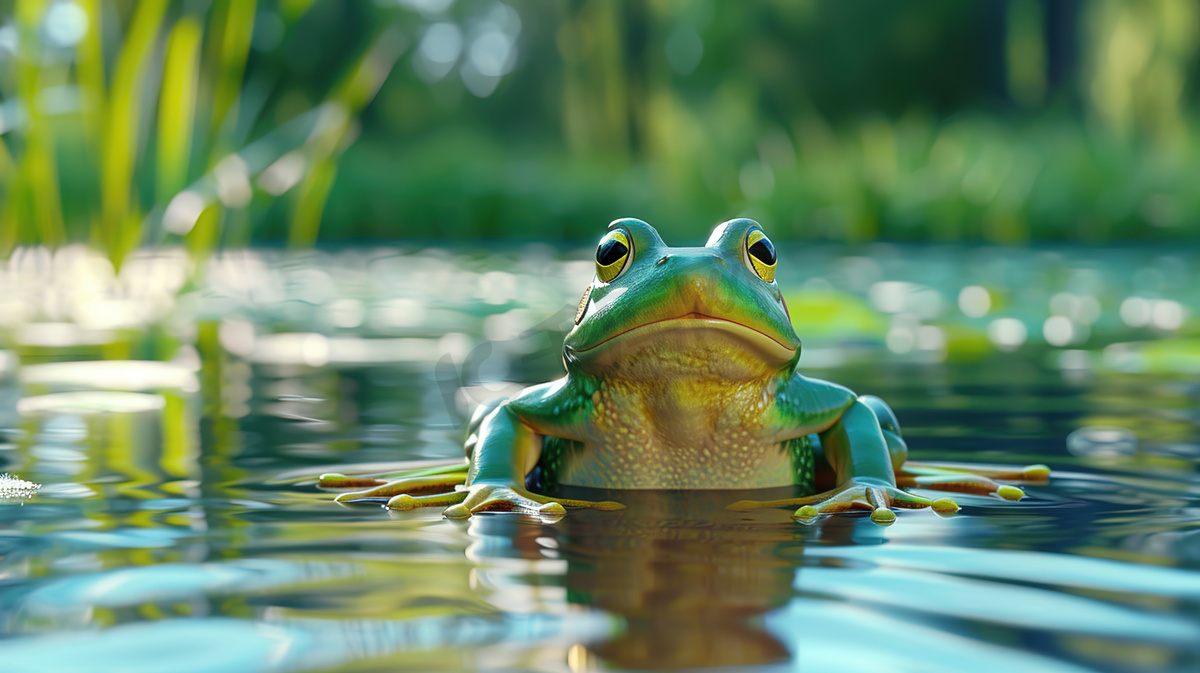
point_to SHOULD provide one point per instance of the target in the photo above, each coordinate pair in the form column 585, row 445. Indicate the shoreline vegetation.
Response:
column 239, row 123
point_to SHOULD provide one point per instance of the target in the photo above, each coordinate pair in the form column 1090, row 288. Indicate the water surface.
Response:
column 179, row 527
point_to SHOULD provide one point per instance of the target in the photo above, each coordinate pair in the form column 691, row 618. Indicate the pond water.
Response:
column 179, row 527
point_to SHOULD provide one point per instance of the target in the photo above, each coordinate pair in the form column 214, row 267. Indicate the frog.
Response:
column 681, row 373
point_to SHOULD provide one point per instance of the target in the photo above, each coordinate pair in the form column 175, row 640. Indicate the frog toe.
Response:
column 405, row 501
column 960, row 482
column 1029, row 473
column 415, row 487
column 883, row 516
column 339, row 481
column 905, row 500
column 944, row 506
column 480, row 498
column 508, row 500
column 806, row 514
column 1037, row 473
column 566, row 503
column 881, row 500
column 1010, row 492
column 336, row 481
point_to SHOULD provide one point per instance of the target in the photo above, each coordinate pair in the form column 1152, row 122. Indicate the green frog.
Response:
column 681, row 374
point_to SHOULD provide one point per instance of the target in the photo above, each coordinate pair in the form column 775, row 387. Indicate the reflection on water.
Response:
column 179, row 527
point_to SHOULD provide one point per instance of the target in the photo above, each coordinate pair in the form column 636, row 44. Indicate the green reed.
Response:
column 143, row 139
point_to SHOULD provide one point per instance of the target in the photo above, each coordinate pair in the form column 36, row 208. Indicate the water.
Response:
column 179, row 527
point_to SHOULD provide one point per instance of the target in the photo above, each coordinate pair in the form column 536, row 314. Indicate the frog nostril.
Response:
column 663, row 260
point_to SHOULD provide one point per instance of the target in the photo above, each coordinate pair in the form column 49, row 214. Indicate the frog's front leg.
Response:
column 864, row 448
column 503, row 446
column 508, row 446
column 863, row 454
column 860, row 449
column 856, row 448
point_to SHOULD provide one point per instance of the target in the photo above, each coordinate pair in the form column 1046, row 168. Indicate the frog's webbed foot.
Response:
column 446, row 487
column 430, row 487
column 336, row 481
column 871, row 495
column 492, row 497
column 973, row 479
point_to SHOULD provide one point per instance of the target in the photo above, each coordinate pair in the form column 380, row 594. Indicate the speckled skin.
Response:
column 680, row 375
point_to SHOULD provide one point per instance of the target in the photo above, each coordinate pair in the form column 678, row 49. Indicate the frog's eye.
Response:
column 612, row 255
column 760, row 253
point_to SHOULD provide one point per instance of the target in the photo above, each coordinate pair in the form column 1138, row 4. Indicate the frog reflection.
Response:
column 689, row 578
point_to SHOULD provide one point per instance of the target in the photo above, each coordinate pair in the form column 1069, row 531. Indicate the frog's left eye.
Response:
column 760, row 253
column 612, row 255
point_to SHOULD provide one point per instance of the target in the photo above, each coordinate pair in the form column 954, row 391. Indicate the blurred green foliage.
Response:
column 127, row 124
column 230, row 122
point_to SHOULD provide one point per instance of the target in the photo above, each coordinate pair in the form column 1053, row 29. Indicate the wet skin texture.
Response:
column 681, row 374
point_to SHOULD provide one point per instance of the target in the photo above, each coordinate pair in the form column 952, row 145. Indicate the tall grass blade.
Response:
column 37, row 197
column 310, row 205
column 177, row 107
column 120, row 144
column 8, row 213
column 236, row 31
column 335, row 132
column 202, row 239
column 89, row 73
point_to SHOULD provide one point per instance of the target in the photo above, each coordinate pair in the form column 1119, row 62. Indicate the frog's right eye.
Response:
column 612, row 255
column 760, row 253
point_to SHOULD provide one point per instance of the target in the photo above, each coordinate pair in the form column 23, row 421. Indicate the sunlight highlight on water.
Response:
column 179, row 520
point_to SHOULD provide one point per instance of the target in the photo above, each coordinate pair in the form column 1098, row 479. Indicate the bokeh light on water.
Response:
column 178, row 520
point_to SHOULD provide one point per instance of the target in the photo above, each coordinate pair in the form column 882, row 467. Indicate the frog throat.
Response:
column 759, row 343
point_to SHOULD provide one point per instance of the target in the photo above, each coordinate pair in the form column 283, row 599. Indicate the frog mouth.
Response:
column 769, row 347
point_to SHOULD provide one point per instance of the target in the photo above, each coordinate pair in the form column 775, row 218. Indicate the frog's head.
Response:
column 653, row 310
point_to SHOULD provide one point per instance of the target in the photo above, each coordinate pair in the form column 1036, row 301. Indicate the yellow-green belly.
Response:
column 682, row 434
